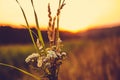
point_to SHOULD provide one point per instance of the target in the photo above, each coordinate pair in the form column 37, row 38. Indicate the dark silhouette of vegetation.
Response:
column 10, row 35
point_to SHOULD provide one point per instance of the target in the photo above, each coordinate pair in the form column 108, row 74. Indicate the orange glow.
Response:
column 76, row 15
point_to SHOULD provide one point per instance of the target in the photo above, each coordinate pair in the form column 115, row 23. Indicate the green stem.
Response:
column 21, row 70
column 37, row 24
column 31, row 35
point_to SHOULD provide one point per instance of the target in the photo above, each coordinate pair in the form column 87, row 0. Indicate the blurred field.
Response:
column 87, row 60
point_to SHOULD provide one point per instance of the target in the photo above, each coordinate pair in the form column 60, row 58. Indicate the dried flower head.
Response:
column 51, row 54
column 39, row 62
column 51, row 27
column 32, row 57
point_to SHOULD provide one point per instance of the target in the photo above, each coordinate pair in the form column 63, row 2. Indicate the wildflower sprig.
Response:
column 21, row 70
column 49, row 58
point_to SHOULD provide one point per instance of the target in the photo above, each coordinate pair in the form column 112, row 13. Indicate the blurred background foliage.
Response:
column 90, row 57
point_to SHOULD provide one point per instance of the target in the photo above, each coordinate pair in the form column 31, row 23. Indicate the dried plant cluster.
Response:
column 48, row 59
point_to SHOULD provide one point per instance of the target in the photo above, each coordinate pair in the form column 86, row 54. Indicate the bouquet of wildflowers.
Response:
column 48, row 59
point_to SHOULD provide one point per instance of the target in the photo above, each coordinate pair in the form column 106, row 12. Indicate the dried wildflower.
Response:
column 63, row 53
column 49, row 59
column 51, row 54
column 51, row 28
column 39, row 62
column 60, row 8
column 35, row 57
column 49, row 15
column 32, row 57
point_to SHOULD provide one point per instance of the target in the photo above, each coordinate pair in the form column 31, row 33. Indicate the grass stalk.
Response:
column 37, row 24
column 60, row 6
column 31, row 35
column 21, row 70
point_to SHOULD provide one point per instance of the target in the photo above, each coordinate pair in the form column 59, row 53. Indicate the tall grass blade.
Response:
column 28, row 26
column 21, row 70
column 37, row 24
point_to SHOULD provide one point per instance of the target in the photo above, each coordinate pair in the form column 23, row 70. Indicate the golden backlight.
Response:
column 76, row 15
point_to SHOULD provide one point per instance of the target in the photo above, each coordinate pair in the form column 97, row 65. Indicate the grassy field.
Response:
column 87, row 60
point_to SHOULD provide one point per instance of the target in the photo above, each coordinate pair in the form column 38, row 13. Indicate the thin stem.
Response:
column 37, row 24
column 21, row 70
column 57, row 29
column 31, row 35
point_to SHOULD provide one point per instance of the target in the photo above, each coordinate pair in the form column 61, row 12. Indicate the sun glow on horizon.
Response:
column 76, row 15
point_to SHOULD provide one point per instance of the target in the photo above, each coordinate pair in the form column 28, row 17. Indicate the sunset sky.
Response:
column 76, row 15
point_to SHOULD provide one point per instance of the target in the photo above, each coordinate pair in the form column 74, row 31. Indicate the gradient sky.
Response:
column 76, row 15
